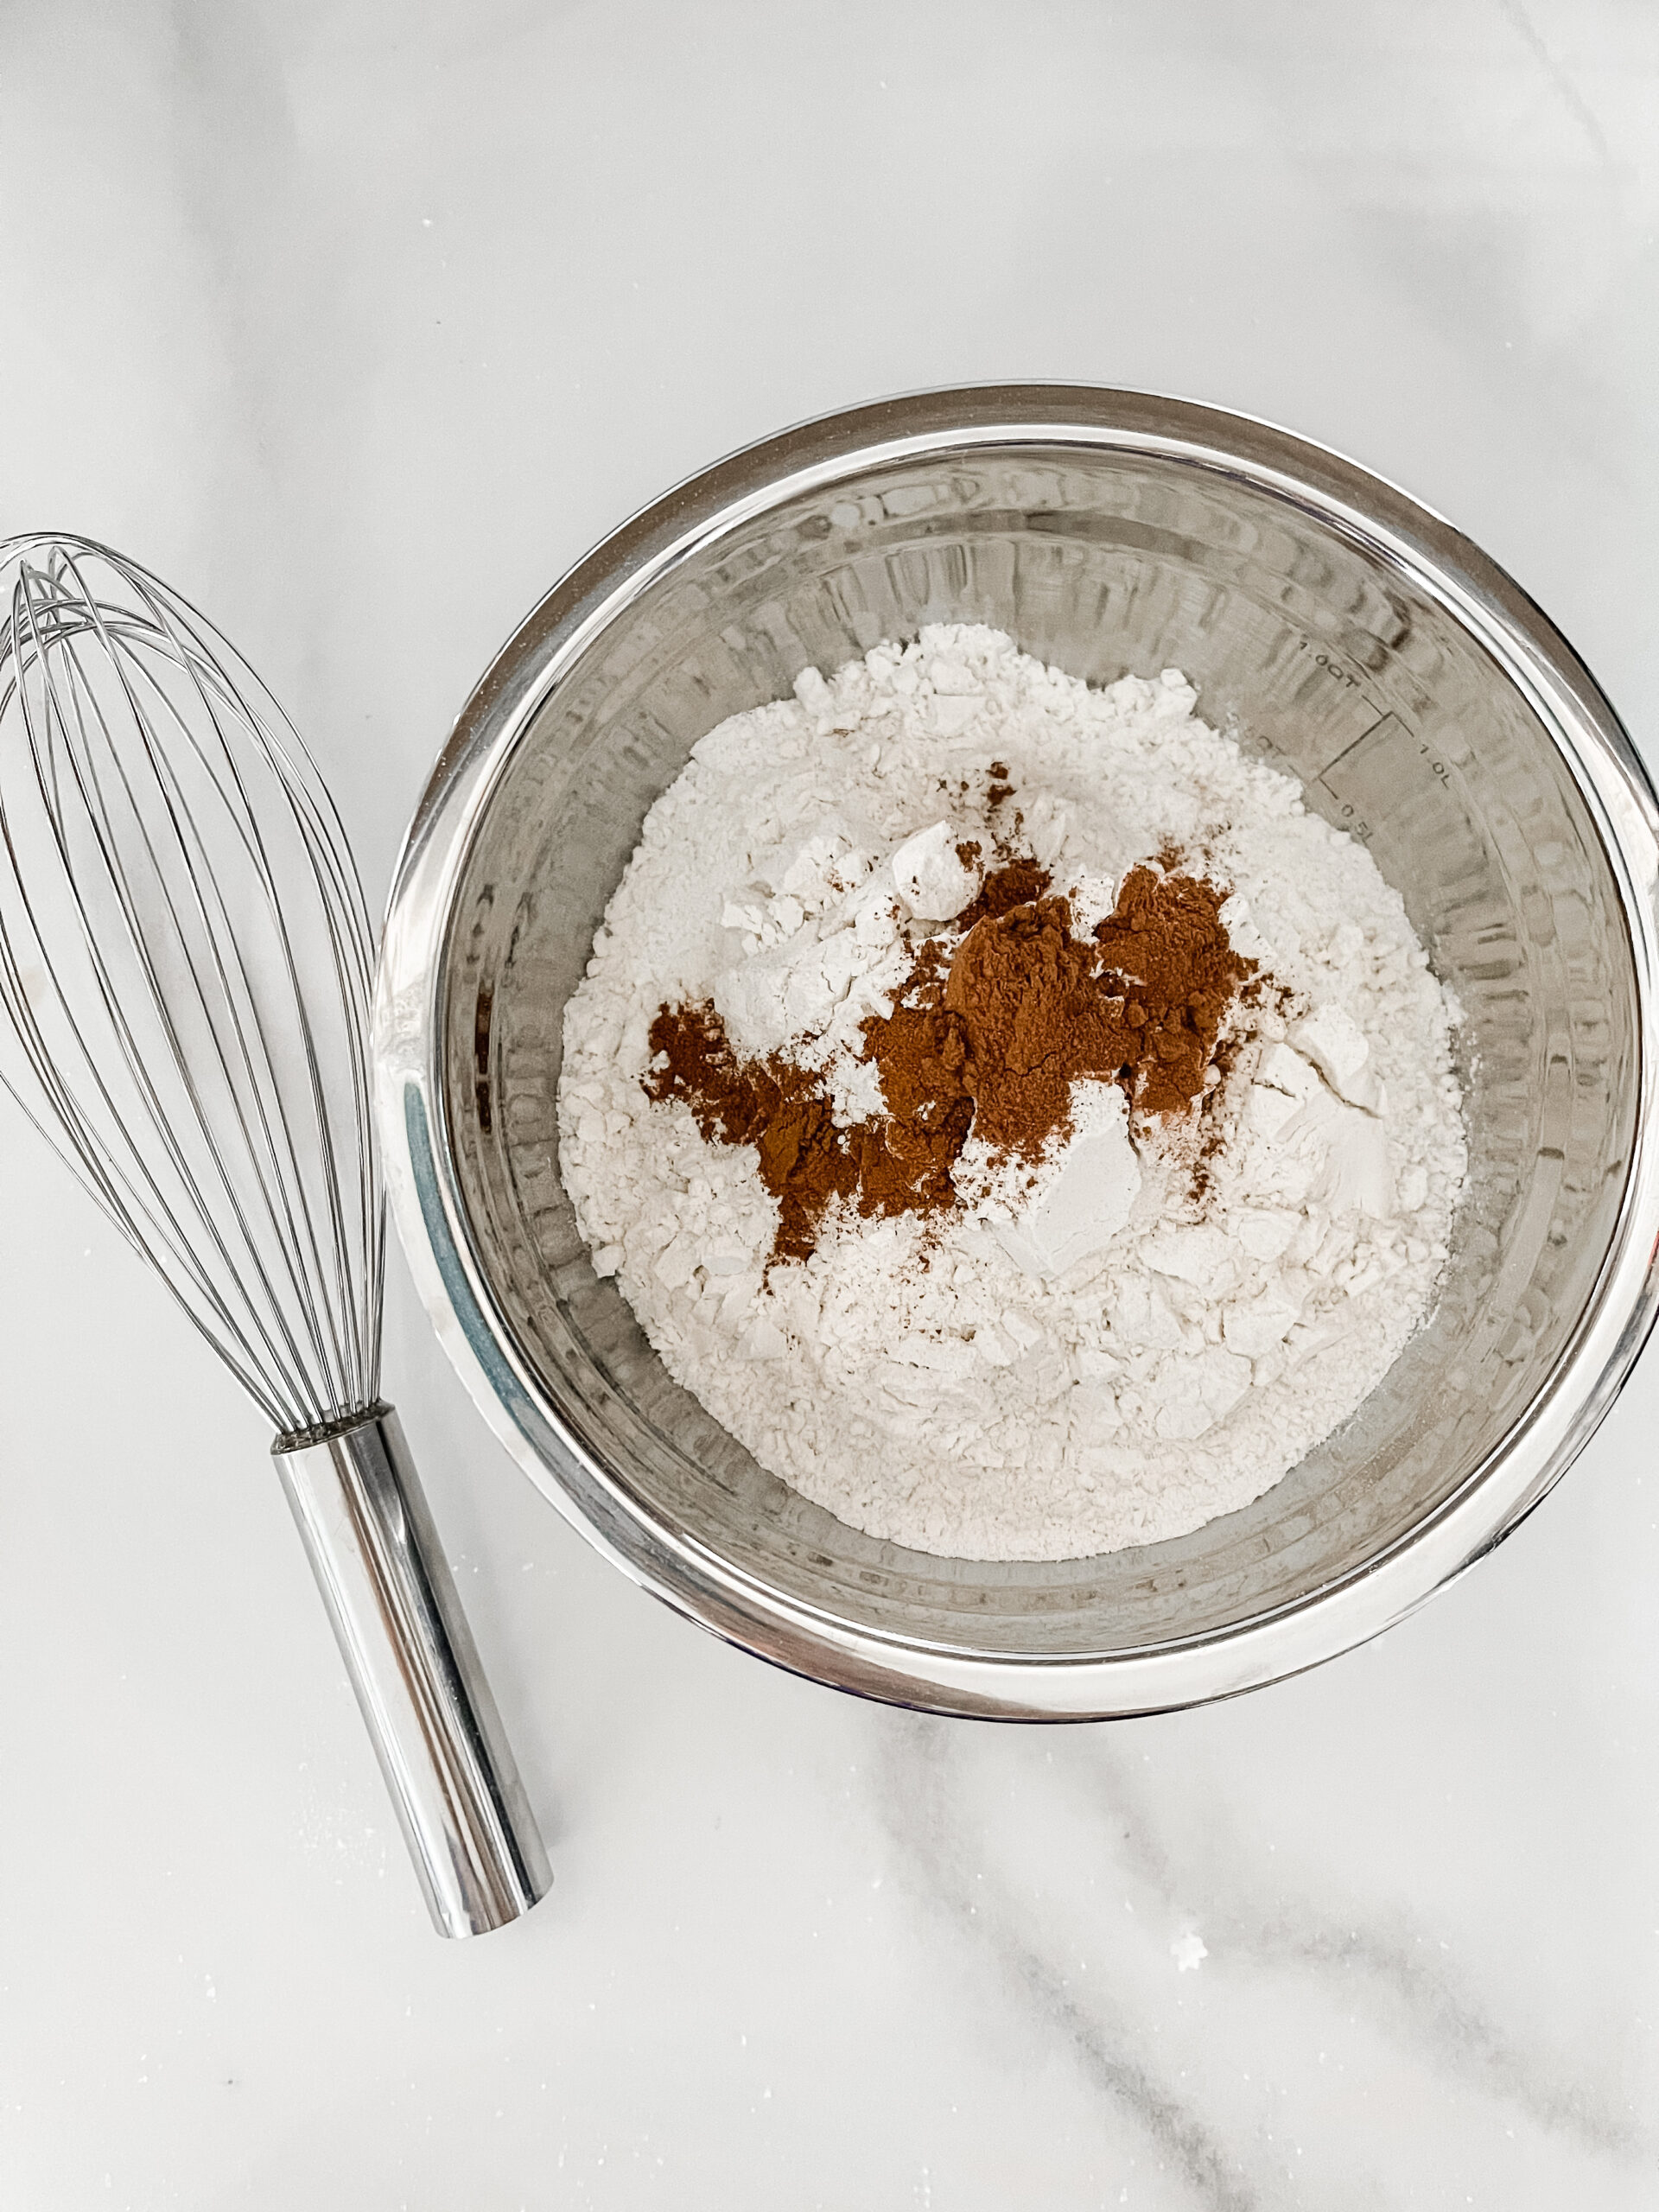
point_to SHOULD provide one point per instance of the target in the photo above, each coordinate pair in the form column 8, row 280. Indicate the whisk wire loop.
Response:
column 134, row 1200
column 82, row 766
column 186, row 959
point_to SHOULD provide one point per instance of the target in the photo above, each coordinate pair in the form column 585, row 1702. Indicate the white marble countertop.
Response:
column 359, row 321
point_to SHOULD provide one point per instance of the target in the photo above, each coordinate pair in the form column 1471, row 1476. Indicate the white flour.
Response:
column 910, row 1376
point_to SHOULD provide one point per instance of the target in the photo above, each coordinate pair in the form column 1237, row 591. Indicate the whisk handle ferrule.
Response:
column 415, row 1671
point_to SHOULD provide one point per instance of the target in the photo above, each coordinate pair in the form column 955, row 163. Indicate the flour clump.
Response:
column 1019, row 1120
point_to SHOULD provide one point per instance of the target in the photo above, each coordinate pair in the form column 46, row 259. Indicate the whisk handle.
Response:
column 415, row 1671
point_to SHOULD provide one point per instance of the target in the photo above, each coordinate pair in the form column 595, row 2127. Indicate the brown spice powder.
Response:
column 1180, row 975
column 990, row 1037
column 1015, row 883
column 771, row 1104
column 1036, row 1019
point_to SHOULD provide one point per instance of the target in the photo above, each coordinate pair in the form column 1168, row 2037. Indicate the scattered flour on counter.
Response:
column 994, row 1383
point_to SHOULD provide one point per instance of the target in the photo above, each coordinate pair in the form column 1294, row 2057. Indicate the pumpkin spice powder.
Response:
column 988, row 1034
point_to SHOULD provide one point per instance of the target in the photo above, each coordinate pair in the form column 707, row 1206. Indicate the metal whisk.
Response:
column 186, row 966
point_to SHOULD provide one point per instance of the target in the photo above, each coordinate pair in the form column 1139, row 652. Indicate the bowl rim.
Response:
column 423, row 1185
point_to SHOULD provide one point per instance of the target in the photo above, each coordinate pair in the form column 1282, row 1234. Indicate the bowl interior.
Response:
column 1332, row 661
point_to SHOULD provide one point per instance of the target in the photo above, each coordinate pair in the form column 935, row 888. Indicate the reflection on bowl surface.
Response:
column 1352, row 640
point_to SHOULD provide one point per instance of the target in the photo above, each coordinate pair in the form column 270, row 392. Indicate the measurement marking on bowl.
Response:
column 1328, row 662
column 1390, row 733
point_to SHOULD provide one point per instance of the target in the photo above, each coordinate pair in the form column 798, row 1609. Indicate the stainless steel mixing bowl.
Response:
column 1351, row 637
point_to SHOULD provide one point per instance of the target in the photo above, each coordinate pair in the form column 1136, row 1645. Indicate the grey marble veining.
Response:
column 359, row 321
column 1374, row 1966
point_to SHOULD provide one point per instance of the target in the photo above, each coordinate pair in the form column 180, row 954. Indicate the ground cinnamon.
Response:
column 988, row 1036
column 1013, row 884
column 1170, row 952
column 805, row 1160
